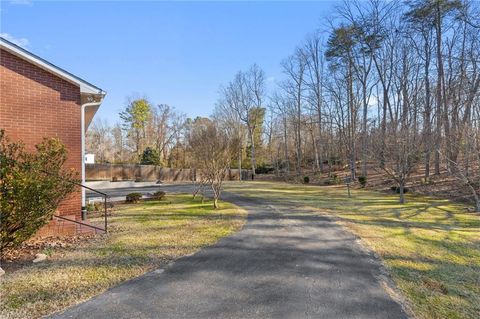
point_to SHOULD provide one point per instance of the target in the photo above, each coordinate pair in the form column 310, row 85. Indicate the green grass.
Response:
column 430, row 246
column 142, row 237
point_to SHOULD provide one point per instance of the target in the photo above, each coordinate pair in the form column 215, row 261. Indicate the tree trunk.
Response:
column 240, row 164
column 438, row 128
column 476, row 197
column 352, row 117
column 299, row 133
column 319, row 146
column 428, row 111
column 315, row 150
column 252, row 144
column 286, row 143
column 364, row 129
column 402, row 193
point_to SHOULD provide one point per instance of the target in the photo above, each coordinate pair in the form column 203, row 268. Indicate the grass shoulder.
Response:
column 142, row 237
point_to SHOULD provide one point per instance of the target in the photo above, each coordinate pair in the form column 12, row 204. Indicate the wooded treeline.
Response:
column 391, row 86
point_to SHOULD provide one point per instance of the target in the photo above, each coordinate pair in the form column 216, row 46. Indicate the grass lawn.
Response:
column 431, row 246
column 142, row 237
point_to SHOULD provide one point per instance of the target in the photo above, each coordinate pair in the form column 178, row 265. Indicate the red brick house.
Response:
column 39, row 99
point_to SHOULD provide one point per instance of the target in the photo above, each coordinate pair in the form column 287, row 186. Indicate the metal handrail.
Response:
column 77, row 222
column 105, row 197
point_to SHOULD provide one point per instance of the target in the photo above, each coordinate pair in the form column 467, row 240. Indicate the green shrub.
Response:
column 31, row 187
column 133, row 197
column 306, row 179
column 159, row 195
column 362, row 180
column 150, row 157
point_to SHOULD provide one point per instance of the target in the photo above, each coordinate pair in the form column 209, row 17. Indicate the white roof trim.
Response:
column 85, row 87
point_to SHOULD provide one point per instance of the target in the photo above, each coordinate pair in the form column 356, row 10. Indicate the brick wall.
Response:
column 35, row 104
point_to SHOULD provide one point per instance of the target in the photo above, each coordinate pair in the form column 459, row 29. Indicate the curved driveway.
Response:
column 285, row 263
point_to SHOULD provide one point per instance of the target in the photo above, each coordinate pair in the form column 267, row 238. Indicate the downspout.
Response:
column 84, row 106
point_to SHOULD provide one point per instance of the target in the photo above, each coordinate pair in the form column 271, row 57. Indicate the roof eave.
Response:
column 84, row 86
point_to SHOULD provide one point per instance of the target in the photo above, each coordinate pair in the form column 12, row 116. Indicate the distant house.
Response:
column 39, row 99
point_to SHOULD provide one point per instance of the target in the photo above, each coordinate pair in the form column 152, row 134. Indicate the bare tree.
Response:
column 245, row 95
column 212, row 153
column 163, row 129
column 294, row 68
column 315, row 83
column 226, row 115
column 401, row 153
column 281, row 106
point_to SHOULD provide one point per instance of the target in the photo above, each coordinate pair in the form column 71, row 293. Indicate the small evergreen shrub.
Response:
column 362, row 180
column 306, row 179
column 150, row 156
column 133, row 198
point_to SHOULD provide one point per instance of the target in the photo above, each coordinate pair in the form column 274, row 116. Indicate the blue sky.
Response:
column 176, row 53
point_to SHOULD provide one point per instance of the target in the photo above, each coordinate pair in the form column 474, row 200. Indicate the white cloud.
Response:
column 23, row 42
column 21, row 2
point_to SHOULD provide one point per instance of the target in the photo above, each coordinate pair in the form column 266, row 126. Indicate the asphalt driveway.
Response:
column 285, row 263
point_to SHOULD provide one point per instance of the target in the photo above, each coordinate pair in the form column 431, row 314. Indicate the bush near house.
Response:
column 31, row 187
